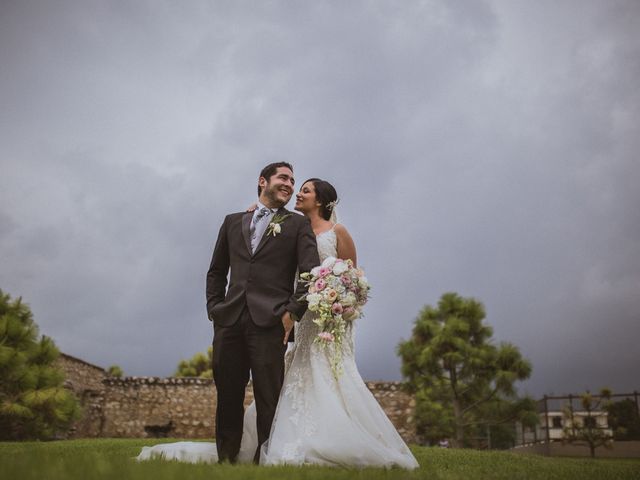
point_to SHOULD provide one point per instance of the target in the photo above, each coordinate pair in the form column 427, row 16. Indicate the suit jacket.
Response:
column 264, row 281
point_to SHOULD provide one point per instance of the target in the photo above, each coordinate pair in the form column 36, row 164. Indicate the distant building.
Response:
column 557, row 422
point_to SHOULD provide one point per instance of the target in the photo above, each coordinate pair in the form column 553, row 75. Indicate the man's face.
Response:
column 278, row 189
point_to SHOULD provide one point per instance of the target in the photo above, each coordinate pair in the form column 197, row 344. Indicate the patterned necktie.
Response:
column 256, row 230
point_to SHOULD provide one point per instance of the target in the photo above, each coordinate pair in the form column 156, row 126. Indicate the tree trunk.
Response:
column 457, row 413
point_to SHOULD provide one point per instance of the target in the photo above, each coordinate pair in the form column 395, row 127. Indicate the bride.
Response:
column 319, row 420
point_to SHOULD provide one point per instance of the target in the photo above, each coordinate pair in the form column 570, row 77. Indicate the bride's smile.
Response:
column 306, row 198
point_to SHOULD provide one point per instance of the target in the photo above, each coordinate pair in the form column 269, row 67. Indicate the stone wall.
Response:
column 81, row 376
column 159, row 407
column 142, row 407
column 398, row 405
column 87, row 382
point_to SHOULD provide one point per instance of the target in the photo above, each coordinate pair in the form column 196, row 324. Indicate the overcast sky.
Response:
column 484, row 147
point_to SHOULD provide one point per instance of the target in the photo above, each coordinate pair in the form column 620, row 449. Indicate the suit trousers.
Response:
column 237, row 350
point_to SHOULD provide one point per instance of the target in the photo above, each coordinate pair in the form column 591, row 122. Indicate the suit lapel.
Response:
column 265, row 237
column 246, row 229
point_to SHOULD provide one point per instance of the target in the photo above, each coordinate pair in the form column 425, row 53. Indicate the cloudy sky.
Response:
column 484, row 147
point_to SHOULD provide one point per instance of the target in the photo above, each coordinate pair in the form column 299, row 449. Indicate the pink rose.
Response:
column 336, row 308
column 324, row 271
column 320, row 284
column 349, row 314
column 326, row 336
column 345, row 280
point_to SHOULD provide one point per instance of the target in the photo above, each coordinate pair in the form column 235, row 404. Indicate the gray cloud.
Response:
column 487, row 148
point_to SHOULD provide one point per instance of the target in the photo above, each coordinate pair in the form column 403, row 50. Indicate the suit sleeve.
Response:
column 307, row 251
column 218, row 270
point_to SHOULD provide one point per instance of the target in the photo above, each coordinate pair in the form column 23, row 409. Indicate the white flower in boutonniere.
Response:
column 275, row 226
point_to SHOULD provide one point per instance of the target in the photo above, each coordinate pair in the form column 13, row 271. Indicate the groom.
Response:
column 252, row 319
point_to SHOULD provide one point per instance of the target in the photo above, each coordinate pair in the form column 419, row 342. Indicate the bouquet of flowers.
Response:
column 337, row 291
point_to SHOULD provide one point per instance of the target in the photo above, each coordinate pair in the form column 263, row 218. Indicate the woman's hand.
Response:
column 287, row 323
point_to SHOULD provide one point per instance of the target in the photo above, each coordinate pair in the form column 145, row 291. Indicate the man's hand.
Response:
column 287, row 323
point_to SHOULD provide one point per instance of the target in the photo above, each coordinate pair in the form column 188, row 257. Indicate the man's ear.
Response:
column 262, row 182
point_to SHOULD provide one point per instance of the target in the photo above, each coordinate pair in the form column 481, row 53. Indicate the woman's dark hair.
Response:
column 325, row 194
column 270, row 170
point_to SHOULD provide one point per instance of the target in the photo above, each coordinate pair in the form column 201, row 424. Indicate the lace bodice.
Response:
column 327, row 244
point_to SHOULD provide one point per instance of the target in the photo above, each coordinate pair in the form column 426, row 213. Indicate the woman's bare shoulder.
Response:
column 340, row 229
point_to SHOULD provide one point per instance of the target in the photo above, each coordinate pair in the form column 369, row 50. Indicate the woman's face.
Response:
column 306, row 198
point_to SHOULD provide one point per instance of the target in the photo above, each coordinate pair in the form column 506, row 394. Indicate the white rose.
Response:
column 313, row 299
column 363, row 282
column 349, row 299
column 328, row 262
column 339, row 268
column 276, row 228
column 315, row 271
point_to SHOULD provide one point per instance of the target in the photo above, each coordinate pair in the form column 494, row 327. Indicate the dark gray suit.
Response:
column 247, row 318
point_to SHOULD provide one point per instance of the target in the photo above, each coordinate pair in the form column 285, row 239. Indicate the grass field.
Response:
column 113, row 459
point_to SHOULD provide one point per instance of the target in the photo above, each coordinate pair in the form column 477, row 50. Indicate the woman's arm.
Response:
column 346, row 247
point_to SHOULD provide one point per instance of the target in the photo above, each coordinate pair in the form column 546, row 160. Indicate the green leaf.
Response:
column 14, row 409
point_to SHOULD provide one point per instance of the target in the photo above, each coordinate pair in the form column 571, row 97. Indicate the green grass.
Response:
column 113, row 459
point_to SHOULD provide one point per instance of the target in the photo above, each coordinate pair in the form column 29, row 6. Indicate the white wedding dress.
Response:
column 319, row 420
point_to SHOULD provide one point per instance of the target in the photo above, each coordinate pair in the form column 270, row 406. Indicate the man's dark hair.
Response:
column 270, row 170
column 325, row 194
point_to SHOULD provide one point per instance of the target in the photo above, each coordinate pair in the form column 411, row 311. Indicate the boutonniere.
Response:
column 275, row 225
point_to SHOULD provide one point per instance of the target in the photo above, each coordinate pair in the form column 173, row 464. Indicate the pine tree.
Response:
column 33, row 402
column 462, row 382
column 583, row 428
column 115, row 371
column 624, row 419
column 198, row 366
